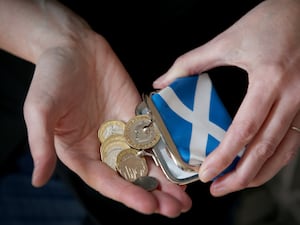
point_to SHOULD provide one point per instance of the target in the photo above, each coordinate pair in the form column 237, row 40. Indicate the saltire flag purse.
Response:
column 192, row 121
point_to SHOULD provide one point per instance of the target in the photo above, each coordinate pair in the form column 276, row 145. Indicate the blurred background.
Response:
column 148, row 37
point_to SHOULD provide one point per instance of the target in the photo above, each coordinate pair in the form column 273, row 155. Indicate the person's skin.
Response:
column 266, row 44
column 78, row 84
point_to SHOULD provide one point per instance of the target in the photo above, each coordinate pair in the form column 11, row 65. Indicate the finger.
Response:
column 106, row 181
column 286, row 151
column 174, row 190
column 196, row 61
column 41, row 143
column 164, row 203
column 244, row 127
column 258, row 152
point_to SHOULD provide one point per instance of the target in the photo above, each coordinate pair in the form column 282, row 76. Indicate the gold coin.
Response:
column 141, row 133
column 130, row 166
column 113, row 138
column 109, row 128
column 116, row 138
column 110, row 150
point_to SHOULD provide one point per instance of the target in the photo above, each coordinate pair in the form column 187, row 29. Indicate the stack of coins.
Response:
column 121, row 144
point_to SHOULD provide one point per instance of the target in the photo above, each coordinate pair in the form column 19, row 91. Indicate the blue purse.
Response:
column 192, row 121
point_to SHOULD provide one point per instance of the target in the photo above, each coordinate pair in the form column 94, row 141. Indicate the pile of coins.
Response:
column 124, row 145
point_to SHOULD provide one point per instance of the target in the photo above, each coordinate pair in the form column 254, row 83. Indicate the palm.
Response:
column 79, row 93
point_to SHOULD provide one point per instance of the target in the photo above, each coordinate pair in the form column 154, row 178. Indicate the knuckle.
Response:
column 264, row 150
column 242, row 182
column 181, row 64
column 226, row 159
column 244, row 130
column 180, row 61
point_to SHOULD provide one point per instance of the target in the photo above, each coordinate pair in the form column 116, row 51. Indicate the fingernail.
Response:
column 207, row 175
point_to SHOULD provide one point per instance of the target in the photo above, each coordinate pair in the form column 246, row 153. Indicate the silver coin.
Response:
column 147, row 182
column 142, row 108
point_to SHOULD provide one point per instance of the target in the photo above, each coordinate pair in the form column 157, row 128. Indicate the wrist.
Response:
column 59, row 28
column 33, row 27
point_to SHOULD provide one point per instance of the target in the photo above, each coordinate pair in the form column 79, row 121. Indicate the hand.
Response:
column 72, row 92
column 265, row 43
column 78, row 84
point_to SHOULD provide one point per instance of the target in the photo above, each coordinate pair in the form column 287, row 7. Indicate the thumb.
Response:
column 193, row 62
column 41, row 141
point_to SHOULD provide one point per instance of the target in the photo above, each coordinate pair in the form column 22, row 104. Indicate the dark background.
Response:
column 147, row 36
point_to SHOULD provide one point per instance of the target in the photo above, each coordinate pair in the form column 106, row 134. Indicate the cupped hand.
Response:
column 266, row 44
column 74, row 89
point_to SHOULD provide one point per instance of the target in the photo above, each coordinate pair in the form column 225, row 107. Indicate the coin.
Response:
column 109, row 128
column 147, row 182
column 130, row 166
column 113, row 138
column 142, row 108
column 111, row 148
column 140, row 132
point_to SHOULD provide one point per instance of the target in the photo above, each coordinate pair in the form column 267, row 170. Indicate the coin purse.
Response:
column 192, row 121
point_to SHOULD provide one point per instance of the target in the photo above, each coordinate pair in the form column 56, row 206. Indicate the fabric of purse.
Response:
column 192, row 121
